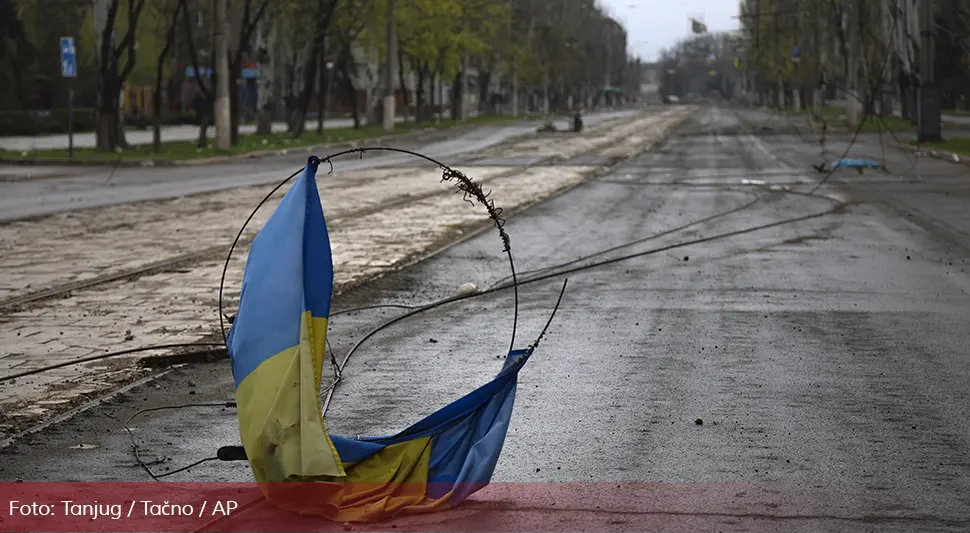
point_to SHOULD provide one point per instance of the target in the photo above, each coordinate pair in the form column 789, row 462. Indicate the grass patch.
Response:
column 828, row 112
column 957, row 145
column 872, row 124
column 187, row 150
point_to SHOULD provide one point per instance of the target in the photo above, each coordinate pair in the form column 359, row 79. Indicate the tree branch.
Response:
column 194, row 56
column 108, row 57
column 247, row 29
column 133, row 15
column 170, row 33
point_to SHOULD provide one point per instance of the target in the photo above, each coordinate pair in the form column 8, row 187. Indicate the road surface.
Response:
column 71, row 188
column 800, row 367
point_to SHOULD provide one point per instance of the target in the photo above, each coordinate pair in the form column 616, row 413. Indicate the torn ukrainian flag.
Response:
column 277, row 349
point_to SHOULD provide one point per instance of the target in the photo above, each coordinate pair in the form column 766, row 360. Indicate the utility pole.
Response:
column 221, row 24
column 389, row 82
column 930, row 127
column 852, row 34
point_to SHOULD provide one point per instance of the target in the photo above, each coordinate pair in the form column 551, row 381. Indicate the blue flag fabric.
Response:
column 276, row 345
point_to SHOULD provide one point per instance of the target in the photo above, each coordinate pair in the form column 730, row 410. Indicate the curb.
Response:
column 223, row 159
column 943, row 155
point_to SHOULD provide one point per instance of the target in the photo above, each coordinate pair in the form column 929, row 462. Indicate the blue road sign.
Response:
column 68, row 58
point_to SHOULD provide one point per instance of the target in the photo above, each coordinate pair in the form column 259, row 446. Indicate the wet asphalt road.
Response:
column 825, row 357
column 72, row 188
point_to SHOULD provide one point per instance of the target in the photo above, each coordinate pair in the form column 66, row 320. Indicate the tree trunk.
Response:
column 484, row 81
column 298, row 115
column 456, row 97
column 405, row 94
column 206, row 116
column 546, row 109
column 157, row 110
column 108, row 119
column 264, row 123
column 353, row 98
column 325, row 10
column 234, row 103
column 420, row 109
column 321, row 84
column 434, row 96
column 906, row 94
column 463, row 101
column 515, row 91
column 110, row 132
column 299, row 111
column 203, row 139
column 159, row 71
column 345, row 66
column 107, row 79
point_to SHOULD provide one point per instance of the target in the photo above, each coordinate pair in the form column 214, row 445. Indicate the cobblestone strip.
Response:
column 602, row 136
column 180, row 306
column 82, row 245
column 86, row 244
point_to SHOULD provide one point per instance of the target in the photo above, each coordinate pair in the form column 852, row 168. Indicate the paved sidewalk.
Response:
column 368, row 235
column 88, row 187
column 182, row 132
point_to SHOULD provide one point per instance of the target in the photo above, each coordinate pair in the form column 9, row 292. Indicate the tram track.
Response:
column 24, row 301
column 166, row 363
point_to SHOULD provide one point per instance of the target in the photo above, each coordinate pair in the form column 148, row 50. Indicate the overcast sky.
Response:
column 652, row 25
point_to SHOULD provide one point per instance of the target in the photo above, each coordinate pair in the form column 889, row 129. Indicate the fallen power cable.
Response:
column 544, row 274
column 120, row 353
column 236, row 453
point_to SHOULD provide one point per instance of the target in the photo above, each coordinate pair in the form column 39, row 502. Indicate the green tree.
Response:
column 16, row 53
column 167, row 18
column 117, row 59
column 323, row 15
